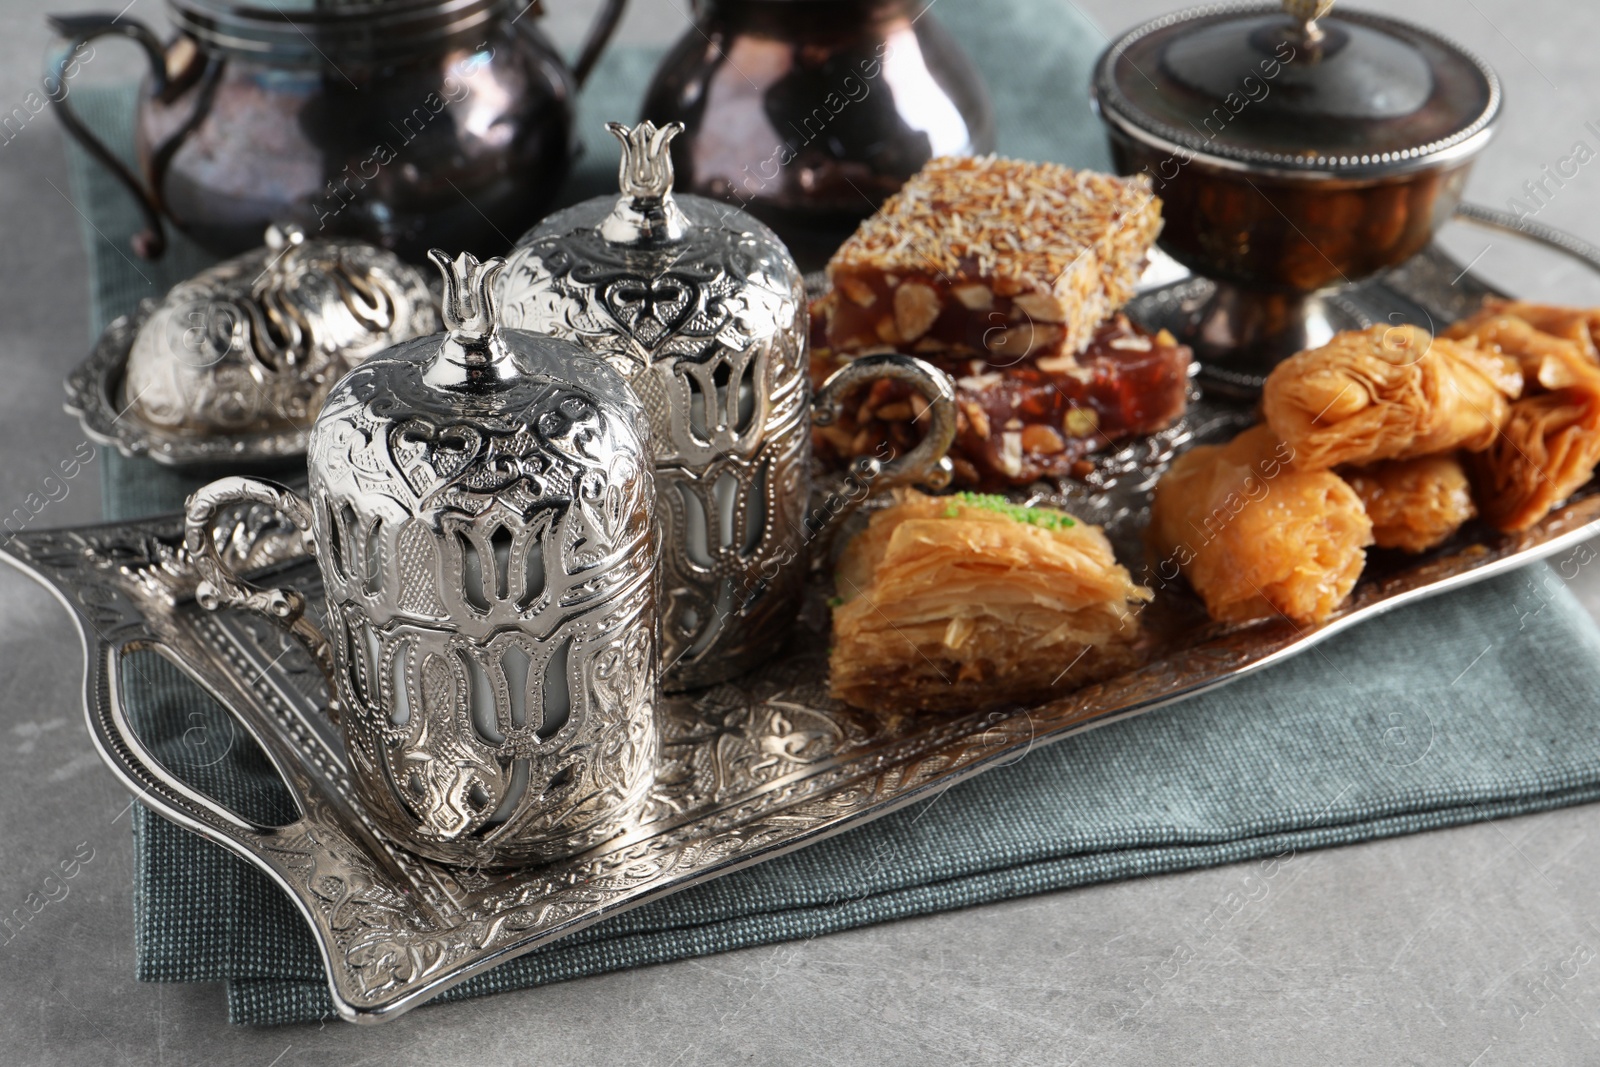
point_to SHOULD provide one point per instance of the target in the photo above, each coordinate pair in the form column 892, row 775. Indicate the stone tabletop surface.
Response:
column 1473, row 946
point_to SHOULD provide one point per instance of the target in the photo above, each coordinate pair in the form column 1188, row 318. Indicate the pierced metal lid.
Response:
column 235, row 363
column 482, row 421
column 478, row 367
column 1297, row 87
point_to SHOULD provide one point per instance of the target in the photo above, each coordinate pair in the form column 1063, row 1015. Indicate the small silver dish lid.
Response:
column 233, row 364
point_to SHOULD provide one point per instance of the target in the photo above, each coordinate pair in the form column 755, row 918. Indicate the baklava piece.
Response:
column 970, row 601
column 1549, row 446
column 1255, row 537
column 992, row 258
column 1581, row 326
column 1388, row 392
column 1414, row 504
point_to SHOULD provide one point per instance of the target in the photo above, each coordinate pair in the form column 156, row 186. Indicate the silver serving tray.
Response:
column 750, row 769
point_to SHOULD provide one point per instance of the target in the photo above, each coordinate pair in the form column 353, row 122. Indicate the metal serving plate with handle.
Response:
column 748, row 769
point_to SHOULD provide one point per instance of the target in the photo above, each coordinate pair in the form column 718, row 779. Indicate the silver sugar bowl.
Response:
column 702, row 308
column 482, row 511
column 234, row 364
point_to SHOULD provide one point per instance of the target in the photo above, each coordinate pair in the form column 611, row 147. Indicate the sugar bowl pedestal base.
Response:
column 1239, row 335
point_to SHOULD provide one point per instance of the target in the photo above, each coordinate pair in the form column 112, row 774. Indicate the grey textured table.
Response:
column 1477, row 946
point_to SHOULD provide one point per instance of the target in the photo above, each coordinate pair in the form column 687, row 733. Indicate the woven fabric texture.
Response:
column 1473, row 706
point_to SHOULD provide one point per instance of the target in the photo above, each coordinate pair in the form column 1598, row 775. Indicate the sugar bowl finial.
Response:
column 646, row 210
column 469, row 300
column 473, row 356
column 1307, row 12
column 282, row 235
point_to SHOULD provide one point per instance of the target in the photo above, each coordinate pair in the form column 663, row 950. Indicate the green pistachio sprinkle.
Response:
column 1044, row 519
column 835, row 601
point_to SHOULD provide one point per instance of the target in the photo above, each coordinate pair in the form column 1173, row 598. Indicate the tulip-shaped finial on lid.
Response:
column 472, row 355
column 646, row 210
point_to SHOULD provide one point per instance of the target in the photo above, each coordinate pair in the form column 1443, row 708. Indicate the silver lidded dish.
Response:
column 233, row 364
column 703, row 310
column 481, row 508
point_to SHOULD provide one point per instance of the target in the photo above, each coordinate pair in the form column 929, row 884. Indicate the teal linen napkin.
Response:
column 1474, row 706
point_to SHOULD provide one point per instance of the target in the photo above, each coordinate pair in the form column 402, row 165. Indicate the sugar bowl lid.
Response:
column 1297, row 87
column 234, row 363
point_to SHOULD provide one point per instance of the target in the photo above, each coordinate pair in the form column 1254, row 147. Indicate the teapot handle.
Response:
column 220, row 587
column 926, row 464
column 605, row 24
column 151, row 242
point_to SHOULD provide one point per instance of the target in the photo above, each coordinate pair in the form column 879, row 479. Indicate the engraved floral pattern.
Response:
column 483, row 553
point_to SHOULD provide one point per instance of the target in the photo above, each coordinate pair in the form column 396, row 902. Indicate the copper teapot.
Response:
column 809, row 113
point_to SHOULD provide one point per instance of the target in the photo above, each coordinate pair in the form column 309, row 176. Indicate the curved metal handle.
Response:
column 927, row 464
column 220, row 587
column 151, row 242
column 605, row 24
column 1560, row 240
column 157, row 787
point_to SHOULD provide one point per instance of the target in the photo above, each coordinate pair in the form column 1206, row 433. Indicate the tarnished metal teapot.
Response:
column 407, row 123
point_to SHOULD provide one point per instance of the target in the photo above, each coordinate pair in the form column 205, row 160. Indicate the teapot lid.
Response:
column 320, row 31
column 1295, row 86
